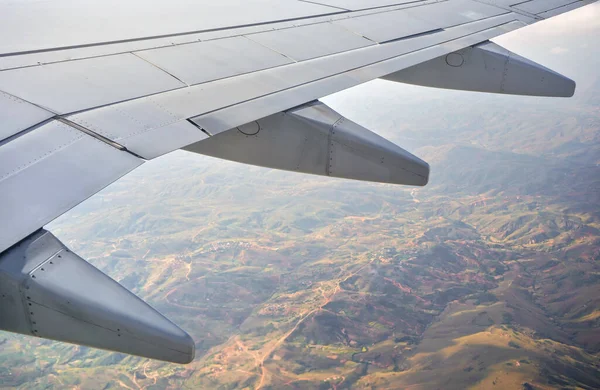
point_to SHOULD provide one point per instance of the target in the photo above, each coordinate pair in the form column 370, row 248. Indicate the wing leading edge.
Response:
column 78, row 111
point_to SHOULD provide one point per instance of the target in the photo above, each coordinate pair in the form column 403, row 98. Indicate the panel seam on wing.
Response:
column 169, row 35
column 159, row 68
column 104, row 327
column 78, row 136
column 359, row 67
column 270, row 48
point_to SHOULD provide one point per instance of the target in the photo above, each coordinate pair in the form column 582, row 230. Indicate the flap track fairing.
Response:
column 487, row 67
column 315, row 139
column 48, row 291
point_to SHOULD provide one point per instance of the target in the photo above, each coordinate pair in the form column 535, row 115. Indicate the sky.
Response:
column 568, row 44
column 567, row 41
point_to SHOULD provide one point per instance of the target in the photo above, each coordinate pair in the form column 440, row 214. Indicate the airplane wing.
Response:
column 91, row 90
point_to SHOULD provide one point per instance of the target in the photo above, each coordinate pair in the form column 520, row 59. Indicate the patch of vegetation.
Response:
column 512, row 344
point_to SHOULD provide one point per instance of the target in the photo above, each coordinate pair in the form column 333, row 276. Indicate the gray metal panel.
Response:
column 71, row 86
column 48, row 57
column 200, row 62
column 75, row 302
column 159, row 141
column 566, row 8
column 39, row 58
column 7, row 62
column 487, row 67
column 501, row 3
column 49, row 170
column 459, row 37
column 45, row 57
column 35, row 25
column 362, row 4
column 13, row 315
column 218, row 34
column 552, row 7
column 387, row 26
column 539, row 6
column 192, row 101
column 17, row 115
column 170, row 107
column 145, row 129
column 160, row 110
column 120, row 121
column 281, row 143
column 15, row 264
column 315, row 139
column 55, row 294
column 311, row 41
column 454, row 12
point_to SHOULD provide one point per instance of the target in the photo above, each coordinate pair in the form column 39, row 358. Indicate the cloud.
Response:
column 558, row 50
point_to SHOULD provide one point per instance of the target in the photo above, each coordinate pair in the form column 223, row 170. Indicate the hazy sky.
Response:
column 566, row 41
column 568, row 44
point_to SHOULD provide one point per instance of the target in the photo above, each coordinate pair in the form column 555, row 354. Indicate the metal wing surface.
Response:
column 90, row 90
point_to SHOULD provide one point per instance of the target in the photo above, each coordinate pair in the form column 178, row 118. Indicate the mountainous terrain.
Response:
column 489, row 277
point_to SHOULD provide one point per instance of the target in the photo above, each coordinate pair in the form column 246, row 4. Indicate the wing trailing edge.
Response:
column 487, row 67
column 48, row 291
column 315, row 139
